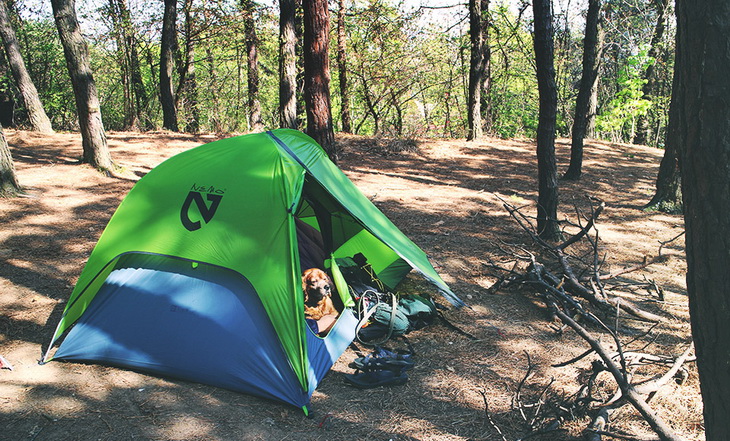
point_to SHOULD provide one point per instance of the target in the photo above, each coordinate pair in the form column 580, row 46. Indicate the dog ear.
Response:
column 305, row 278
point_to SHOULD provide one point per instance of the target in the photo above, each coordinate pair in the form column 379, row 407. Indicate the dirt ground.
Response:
column 444, row 194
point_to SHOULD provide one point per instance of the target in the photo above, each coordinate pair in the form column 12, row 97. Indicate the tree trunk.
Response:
column 36, row 114
column 141, row 99
column 592, row 111
column 288, row 64
column 167, row 47
column 9, row 185
column 702, row 97
column 96, row 151
column 642, row 125
column 591, row 62
column 547, row 171
column 213, row 119
column 188, row 89
column 486, row 104
column 398, row 107
column 372, row 109
column 317, row 75
column 123, row 59
column 255, row 122
column 668, row 195
column 476, row 71
column 342, row 68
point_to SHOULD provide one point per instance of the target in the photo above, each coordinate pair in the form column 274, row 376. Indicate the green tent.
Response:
column 210, row 236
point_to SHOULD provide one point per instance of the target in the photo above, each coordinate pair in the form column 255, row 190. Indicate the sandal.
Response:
column 383, row 359
column 370, row 363
column 370, row 379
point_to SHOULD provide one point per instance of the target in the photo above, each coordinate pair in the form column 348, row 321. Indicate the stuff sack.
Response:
column 420, row 311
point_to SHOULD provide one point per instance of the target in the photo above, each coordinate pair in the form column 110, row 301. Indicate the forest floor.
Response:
column 444, row 194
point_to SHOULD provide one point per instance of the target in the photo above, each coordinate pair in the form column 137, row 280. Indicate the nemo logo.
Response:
column 205, row 209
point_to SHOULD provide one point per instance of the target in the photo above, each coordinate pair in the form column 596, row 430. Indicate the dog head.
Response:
column 316, row 285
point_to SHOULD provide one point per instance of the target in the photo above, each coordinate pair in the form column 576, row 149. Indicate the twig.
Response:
column 489, row 415
column 597, row 212
column 517, row 399
column 652, row 386
column 574, row 359
column 618, row 435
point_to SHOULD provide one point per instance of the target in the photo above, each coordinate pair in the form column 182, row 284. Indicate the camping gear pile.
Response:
column 197, row 275
column 382, row 314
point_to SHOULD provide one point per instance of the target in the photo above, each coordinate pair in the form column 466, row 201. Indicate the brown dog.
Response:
column 317, row 287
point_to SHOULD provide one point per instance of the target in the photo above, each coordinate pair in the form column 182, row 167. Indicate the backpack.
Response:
column 382, row 315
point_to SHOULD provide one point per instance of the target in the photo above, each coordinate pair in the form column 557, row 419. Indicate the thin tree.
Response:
column 76, row 52
column 255, row 123
column 547, row 171
column 287, row 64
column 141, row 97
column 9, row 186
column 36, row 114
column 134, row 92
column 342, row 68
column 648, row 89
column 703, row 101
column 592, row 44
column 187, row 89
column 167, row 49
column 486, row 105
column 668, row 194
column 317, row 75
column 476, row 71
column 214, row 119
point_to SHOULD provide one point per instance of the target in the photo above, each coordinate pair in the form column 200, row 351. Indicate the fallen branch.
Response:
column 627, row 389
column 573, row 284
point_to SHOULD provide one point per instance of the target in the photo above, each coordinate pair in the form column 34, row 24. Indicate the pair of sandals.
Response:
column 381, row 368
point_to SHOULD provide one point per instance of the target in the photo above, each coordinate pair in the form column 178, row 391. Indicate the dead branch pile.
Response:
column 578, row 295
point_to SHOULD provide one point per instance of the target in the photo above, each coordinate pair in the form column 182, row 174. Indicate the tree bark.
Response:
column 476, row 71
column 547, row 170
column 36, row 114
column 96, row 151
column 288, row 64
column 167, row 47
column 9, row 185
column 702, row 97
column 642, row 125
column 317, row 75
column 592, row 111
column 591, row 62
column 342, row 68
column 255, row 123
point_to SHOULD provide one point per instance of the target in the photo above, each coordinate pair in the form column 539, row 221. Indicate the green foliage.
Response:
column 669, row 207
column 628, row 104
column 46, row 64
column 514, row 92
column 408, row 70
